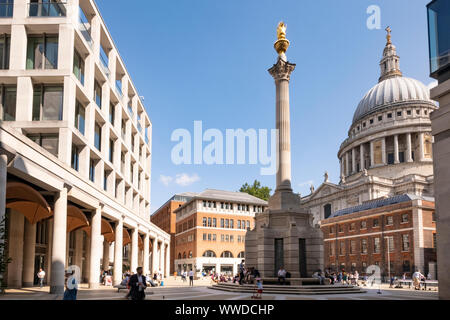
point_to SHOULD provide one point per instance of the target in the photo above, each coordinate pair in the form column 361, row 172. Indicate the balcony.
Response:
column 47, row 9
column 104, row 66
column 6, row 9
column 85, row 29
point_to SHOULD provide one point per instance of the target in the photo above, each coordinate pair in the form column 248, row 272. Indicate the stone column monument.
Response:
column 284, row 235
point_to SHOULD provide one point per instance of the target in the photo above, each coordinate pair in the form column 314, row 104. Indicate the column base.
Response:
column 94, row 285
column 57, row 289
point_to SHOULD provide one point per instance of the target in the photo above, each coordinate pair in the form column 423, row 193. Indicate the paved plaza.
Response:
column 178, row 290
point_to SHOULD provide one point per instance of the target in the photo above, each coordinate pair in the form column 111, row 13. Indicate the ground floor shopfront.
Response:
column 228, row 266
column 58, row 221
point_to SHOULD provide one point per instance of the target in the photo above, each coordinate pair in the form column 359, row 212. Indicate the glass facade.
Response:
column 6, row 8
column 42, row 52
column 47, row 141
column 80, row 117
column 5, row 46
column 78, row 67
column 47, row 103
column 47, row 8
column 8, row 97
column 439, row 36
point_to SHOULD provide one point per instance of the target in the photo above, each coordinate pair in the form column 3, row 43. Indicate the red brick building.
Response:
column 358, row 237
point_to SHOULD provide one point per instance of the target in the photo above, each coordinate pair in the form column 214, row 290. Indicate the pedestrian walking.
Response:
column 191, row 278
column 137, row 285
column 41, row 277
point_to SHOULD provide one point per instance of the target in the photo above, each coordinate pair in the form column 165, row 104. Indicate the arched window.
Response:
column 226, row 254
column 327, row 210
column 209, row 254
column 241, row 254
column 179, row 255
column 190, row 254
column 184, row 255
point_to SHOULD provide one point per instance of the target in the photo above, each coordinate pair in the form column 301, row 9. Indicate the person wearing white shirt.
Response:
column 41, row 277
column 191, row 278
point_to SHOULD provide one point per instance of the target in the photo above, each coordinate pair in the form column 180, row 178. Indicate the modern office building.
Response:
column 439, row 40
column 211, row 229
column 165, row 218
column 398, row 234
column 75, row 148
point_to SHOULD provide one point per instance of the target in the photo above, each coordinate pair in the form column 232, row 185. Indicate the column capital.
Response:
column 282, row 70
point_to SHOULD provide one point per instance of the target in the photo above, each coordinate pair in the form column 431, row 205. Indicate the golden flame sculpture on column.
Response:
column 282, row 44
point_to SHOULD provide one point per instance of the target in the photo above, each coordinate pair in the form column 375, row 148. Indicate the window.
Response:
column 222, row 238
column 222, row 223
column 47, row 8
column 352, row 246
column 390, row 158
column 364, row 246
column 209, row 254
column 8, row 100
column 363, row 224
column 78, row 67
column 341, row 228
column 204, row 237
column 227, row 238
column 389, row 115
column 327, row 210
column 380, row 118
column 331, row 230
column 105, row 180
column 391, row 243
column 214, row 222
column 405, row 242
column 42, row 52
column 376, row 223
column 209, row 237
column 371, row 121
column 6, row 8
column 231, row 223
column 376, row 245
column 231, row 238
column 406, row 266
column 399, row 113
column 92, row 170
column 130, row 109
column 239, row 224
column 111, row 113
column 204, row 222
column 190, row 255
column 209, row 222
column 227, row 223
column 352, row 226
column 332, row 249
column 226, row 254
column 47, row 103
column 47, row 141
column 98, row 94
column 75, row 157
column 5, row 48
column 341, row 248
column 80, row 117
column 389, row 220
column 111, row 150
column 408, row 112
column 214, row 237
column 248, row 224
column 241, row 255
column 98, row 137
column 405, row 218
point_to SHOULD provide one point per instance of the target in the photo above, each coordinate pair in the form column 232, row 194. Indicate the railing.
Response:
column 85, row 32
column 104, row 66
column 47, row 9
column 6, row 10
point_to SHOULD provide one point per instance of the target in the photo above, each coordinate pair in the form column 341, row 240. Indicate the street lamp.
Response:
column 389, row 259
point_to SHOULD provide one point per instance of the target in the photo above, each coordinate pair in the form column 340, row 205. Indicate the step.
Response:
column 306, row 292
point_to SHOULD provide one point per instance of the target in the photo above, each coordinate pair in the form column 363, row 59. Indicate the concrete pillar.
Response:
column 16, row 230
column 372, row 158
column 168, row 262
column 421, row 156
column 59, row 243
column 383, row 151
column 408, row 148
column 118, row 252
column 29, row 250
column 361, row 157
column 155, row 255
column 353, row 160
column 146, row 254
column 161, row 260
column 3, row 174
column 96, row 248
column 396, row 152
column 106, row 246
column 134, row 250
column 419, row 244
column 78, row 256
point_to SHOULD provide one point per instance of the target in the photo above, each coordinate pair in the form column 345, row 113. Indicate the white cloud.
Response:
column 306, row 183
column 185, row 179
column 165, row 180
column 433, row 84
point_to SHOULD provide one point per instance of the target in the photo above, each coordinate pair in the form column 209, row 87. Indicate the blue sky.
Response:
column 207, row 60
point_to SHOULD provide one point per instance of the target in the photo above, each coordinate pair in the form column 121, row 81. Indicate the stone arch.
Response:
column 241, row 255
column 209, row 253
column 227, row 254
column 107, row 231
column 126, row 237
column 28, row 201
column 75, row 219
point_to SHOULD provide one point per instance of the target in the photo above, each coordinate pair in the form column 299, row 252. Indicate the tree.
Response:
column 256, row 190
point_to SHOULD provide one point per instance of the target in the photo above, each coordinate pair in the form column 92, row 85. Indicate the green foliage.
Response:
column 256, row 190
